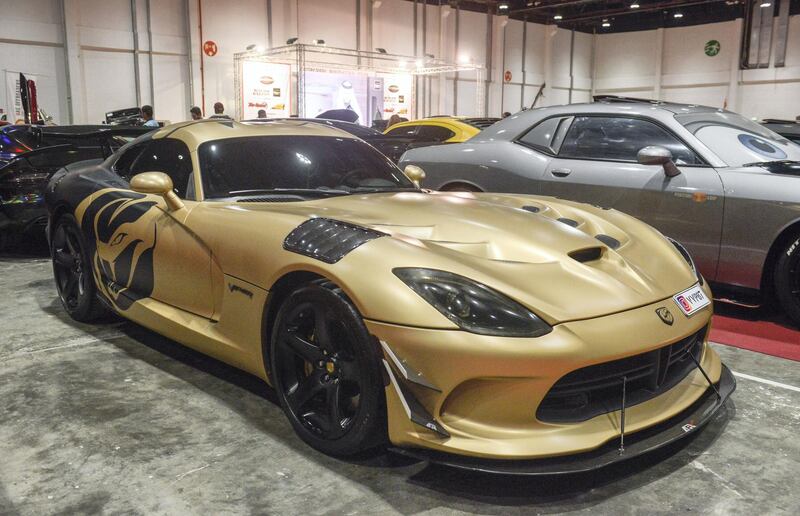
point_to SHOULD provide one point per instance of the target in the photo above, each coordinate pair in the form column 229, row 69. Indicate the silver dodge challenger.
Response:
column 724, row 186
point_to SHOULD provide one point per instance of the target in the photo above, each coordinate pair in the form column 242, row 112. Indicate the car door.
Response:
column 181, row 262
column 596, row 162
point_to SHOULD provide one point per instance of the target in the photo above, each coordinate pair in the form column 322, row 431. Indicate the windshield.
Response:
column 737, row 140
column 301, row 164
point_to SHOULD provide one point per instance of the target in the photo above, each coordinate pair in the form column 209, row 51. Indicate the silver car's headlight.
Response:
column 688, row 258
column 473, row 307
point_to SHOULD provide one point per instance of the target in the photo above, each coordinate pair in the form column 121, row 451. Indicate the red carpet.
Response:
column 760, row 330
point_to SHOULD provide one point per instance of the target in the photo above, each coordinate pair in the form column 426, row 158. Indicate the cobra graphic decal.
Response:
column 123, row 265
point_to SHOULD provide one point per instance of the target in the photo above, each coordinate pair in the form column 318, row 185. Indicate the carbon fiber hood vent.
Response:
column 327, row 240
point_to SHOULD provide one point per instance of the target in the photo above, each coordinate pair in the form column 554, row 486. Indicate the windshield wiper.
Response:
column 377, row 189
column 290, row 191
column 767, row 163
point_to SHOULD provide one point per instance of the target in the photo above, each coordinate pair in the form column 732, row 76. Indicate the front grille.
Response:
column 597, row 389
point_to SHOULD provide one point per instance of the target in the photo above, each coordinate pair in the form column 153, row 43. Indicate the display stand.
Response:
column 306, row 66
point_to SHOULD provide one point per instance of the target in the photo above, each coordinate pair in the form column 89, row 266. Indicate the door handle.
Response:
column 561, row 172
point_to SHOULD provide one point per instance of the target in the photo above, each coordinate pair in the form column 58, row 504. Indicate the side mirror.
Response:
column 655, row 155
column 157, row 183
column 415, row 174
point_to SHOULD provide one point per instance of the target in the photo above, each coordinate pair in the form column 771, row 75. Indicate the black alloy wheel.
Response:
column 73, row 272
column 787, row 279
column 326, row 372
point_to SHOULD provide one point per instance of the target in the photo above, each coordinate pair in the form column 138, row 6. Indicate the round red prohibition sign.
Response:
column 210, row 48
column 507, row 76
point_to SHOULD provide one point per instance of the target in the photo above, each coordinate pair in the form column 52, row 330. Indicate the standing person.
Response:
column 219, row 111
column 262, row 114
column 394, row 119
column 195, row 113
column 147, row 115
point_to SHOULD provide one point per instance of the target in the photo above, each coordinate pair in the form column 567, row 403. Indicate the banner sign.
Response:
column 397, row 93
column 16, row 109
column 265, row 86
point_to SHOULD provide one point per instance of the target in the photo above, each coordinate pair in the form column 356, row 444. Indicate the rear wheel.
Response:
column 73, row 272
column 787, row 279
column 325, row 369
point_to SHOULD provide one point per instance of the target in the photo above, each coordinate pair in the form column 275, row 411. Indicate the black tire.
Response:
column 72, row 270
column 787, row 279
column 326, row 371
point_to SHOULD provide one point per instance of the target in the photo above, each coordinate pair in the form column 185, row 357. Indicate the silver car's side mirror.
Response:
column 415, row 174
column 655, row 155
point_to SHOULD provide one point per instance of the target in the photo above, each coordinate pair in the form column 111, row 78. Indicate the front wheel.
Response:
column 787, row 279
column 72, row 270
column 326, row 371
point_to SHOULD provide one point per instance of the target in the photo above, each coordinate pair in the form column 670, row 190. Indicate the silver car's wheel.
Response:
column 787, row 279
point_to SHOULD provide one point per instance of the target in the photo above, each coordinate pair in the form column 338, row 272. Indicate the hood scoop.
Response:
column 586, row 255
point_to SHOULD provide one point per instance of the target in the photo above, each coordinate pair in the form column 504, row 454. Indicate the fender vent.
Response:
column 568, row 222
column 610, row 241
column 327, row 240
column 586, row 255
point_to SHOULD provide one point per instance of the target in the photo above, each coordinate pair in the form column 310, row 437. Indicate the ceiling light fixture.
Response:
column 380, row 50
column 319, row 41
column 557, row 17
column 291, row 41
column 677, row 15
column 766, row 4
column 606, row 24
column 502, row 6
column 634, row 5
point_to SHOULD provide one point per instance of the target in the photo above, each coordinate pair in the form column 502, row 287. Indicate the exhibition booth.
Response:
column 306, row 80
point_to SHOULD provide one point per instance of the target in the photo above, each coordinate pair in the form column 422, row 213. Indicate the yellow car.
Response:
column 442, row 129
column 495, row 332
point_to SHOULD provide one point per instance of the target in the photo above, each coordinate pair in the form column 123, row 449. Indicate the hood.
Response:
column 563, row 260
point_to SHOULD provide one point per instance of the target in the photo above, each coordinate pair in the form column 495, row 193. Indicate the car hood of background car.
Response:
column 543, row 252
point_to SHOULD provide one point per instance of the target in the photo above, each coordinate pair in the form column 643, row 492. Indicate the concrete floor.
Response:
column 115, row 419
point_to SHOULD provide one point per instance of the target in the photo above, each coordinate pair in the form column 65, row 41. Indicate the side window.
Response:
column 547, row 135
column 434, row 133
column 172, row 158
column 123, row 164
column 408, row 131
column 620, row 139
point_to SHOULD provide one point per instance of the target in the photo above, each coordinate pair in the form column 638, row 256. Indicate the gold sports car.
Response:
column 496, row 332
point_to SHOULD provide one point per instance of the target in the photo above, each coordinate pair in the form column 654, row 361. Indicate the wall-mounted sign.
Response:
column 712, row 48
column 507, row 76
column 265, row 86
column 210, row 48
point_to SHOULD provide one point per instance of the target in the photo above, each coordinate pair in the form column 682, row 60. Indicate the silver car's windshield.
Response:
column 737, row 140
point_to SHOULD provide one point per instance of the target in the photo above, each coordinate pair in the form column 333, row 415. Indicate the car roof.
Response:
column 195, row 133
column 521, row 121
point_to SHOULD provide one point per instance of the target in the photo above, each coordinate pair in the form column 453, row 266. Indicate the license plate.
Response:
column 691, row 300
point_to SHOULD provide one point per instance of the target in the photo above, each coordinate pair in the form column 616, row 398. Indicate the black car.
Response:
column 38, row 152
column 786, row 128
column 391, row 146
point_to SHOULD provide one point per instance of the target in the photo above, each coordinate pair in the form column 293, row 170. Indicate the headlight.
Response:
column 687, row 257
column 472, row 306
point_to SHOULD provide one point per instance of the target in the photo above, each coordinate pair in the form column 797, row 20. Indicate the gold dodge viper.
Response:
column 506, row 333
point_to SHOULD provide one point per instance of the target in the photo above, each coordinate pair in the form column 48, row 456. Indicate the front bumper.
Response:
column 479, row 395
column 670, row 431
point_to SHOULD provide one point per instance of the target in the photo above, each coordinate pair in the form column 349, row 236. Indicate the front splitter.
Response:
column 678, row 427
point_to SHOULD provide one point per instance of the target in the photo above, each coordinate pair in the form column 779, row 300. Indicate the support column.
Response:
column 659, row 63
column 76, row 110
column 735, row 73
